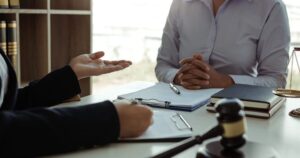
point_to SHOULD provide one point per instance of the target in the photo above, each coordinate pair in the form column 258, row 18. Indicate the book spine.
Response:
column 3, row 36
column 4, row 4
column 14, row 3
column 12, row 42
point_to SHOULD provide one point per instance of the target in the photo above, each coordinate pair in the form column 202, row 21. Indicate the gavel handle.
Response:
column 180, row 147
column 214, row 132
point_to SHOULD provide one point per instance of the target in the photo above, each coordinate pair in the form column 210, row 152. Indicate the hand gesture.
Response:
column 87, row 65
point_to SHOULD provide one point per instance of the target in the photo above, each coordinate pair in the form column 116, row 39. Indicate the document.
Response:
column 161, row 95
column 167, row 125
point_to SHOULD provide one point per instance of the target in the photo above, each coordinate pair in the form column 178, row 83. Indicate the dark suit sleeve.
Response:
column 54, row 88
column 38, row 132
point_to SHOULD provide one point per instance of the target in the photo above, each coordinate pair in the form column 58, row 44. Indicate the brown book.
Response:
column 14, row 3
column 3, row 36
column 11, row 35
column 4, row 4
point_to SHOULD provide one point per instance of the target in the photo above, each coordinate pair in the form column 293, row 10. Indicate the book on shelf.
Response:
column 4, row 4
column 11, row 35
column 14, row 4
column 3, row 36
column 258, row 101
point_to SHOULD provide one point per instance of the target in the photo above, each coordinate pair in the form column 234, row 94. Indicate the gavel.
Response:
column 231, row 126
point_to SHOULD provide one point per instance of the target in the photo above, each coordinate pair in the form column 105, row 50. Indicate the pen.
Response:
column 185, row 122
column 153, row 102
column 177, row 115
column 174, row 89
column 127, row 101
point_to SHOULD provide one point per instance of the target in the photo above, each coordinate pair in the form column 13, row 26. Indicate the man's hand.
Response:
column 219, row 80
column 87, row 65
column 196, row 74
column 134, row 119
column 193, row 74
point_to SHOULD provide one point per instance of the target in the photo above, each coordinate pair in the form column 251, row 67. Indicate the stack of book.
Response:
column 5, row 4
column 258, row 101
column 8, row 40
column 3, row 44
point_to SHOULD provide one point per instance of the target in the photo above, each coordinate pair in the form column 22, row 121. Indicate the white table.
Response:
column 281, row 132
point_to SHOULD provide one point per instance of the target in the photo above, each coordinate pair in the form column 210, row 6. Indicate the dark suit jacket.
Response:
column 28, row 128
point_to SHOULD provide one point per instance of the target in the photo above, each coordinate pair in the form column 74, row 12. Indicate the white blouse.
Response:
column 247, row 39
column 4, row 78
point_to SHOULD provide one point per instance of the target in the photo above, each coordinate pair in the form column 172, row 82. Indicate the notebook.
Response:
column 161, row 95
column 256, row 97
column 260, row 113
column 167, row 126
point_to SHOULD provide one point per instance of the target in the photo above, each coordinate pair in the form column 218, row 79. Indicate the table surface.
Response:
column 281, row 131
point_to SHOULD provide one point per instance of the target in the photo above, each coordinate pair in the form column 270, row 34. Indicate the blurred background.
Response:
column 132, row 30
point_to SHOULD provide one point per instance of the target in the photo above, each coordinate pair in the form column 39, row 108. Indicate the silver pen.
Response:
column 174, row 89
column 185, row 122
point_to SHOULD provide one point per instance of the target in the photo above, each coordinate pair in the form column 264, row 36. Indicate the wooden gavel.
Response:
column 231, row 127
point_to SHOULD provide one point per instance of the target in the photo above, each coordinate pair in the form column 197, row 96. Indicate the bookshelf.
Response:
column 49, row 34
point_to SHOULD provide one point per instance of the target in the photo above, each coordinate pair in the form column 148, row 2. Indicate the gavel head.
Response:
column 231, row 117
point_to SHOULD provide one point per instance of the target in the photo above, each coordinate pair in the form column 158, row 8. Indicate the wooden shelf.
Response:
column 8, row 11
column 23, row 11
column 29, row 5
column 8, row 16
column 45, row 11
column 17, row 11
column 71, row 12
column 32, row 11
column 50, row 33
column 70, row 4
column 33, row 46
column 74, row 38
column 34, row 4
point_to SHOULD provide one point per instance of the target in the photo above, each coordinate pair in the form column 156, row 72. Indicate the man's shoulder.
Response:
column 260, row 2
column 265, row 7
column 267, row 2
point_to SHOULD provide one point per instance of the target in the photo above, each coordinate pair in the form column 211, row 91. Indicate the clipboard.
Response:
column 162, row 96
column 167, row 126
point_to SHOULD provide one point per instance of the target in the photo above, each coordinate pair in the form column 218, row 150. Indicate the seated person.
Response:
column 28, row 128
column 217, row 43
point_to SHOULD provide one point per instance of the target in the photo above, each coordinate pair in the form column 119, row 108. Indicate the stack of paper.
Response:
column 166, row 126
